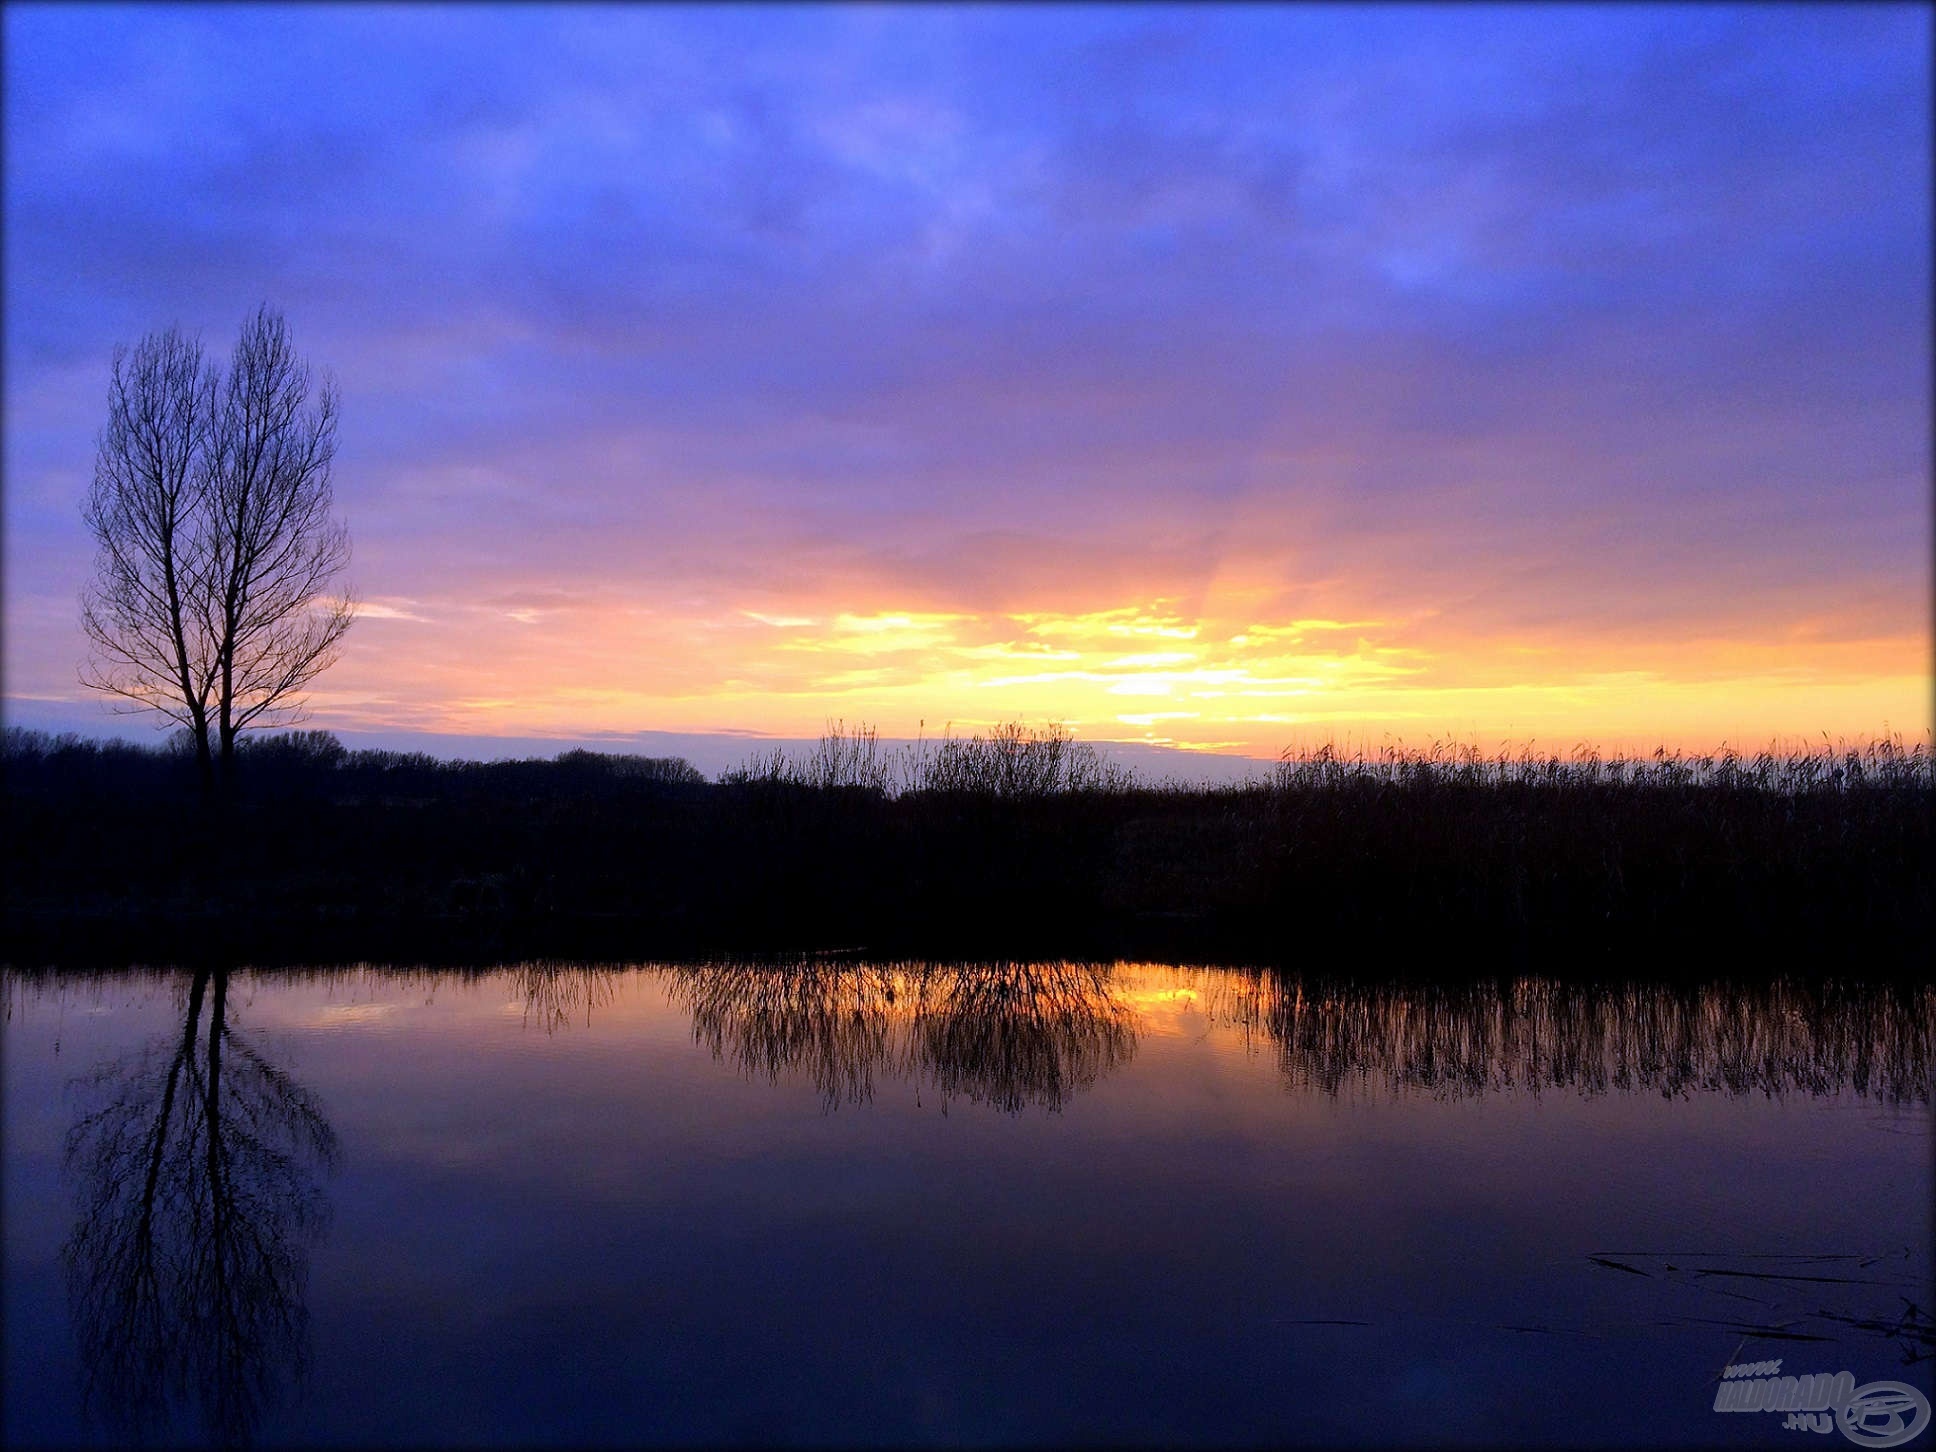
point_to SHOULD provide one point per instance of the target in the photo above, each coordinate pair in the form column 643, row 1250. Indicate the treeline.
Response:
column 309, row 763
column 1018, row 842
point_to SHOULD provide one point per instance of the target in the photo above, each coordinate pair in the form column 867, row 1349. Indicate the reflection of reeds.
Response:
column 557, row 995
column 830, row 1018
column 1016, row 1033
column 1006, row 1034
column 1451, row 1040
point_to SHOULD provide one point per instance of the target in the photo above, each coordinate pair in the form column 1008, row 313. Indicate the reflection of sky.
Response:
column 1557, row 372
column 602, row 1233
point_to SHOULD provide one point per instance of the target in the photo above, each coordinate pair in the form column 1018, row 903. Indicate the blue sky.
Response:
column 1528, row 369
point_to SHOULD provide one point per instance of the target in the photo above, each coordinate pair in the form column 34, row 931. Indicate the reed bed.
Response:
column 1017, row 760
column 1011, row 761
column 1882, row 763
column 1021, row 842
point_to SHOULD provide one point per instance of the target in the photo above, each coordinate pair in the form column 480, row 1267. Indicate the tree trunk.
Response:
column 204, row 761
column 227, row 775
column 227, row 707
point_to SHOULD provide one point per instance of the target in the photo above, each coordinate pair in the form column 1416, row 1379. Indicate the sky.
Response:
column 1216, row 378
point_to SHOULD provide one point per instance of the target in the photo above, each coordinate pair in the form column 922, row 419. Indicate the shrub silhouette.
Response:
column 1020, row 842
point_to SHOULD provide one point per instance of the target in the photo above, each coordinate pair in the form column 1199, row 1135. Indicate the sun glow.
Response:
column 1155, row 672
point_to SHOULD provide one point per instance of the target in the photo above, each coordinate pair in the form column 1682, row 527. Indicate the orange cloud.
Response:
column 1149, row 671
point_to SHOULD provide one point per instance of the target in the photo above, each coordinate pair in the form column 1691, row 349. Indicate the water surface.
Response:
column 848, row 1203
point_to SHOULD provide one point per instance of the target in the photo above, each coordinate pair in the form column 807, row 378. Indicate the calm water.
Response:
column 1042, row 1204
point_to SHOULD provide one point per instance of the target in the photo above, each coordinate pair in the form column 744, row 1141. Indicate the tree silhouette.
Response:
column 216, row 544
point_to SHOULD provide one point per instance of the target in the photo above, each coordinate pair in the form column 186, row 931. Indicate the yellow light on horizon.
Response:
column 1225, row 682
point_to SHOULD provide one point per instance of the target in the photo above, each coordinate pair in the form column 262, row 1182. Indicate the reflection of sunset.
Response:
column 359, row 1015
column 1167, row 1001
column 1039, row 1032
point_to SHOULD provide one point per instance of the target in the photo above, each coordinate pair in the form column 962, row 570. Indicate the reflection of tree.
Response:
column 1476, row 1038
column 197, row 1208
column 1005, row 1033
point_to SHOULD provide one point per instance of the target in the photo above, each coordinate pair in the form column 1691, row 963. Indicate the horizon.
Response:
column 1212, row 382
column 716, row 753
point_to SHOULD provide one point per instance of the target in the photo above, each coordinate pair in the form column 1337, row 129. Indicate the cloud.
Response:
column 1524, row 340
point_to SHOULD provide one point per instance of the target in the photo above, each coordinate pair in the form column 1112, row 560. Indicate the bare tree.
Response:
column 148, row 512
column 276, row 545
column 217, row 543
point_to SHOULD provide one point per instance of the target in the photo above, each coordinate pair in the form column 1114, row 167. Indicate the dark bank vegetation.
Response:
column 1023, row 842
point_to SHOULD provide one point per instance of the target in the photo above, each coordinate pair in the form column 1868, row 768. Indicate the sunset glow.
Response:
column 1229, row 380
column 1208, row 681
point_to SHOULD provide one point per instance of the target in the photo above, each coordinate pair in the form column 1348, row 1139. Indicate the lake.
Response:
column 841, row 1202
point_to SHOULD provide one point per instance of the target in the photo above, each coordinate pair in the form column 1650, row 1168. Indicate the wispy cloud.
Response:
column 715, row 368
